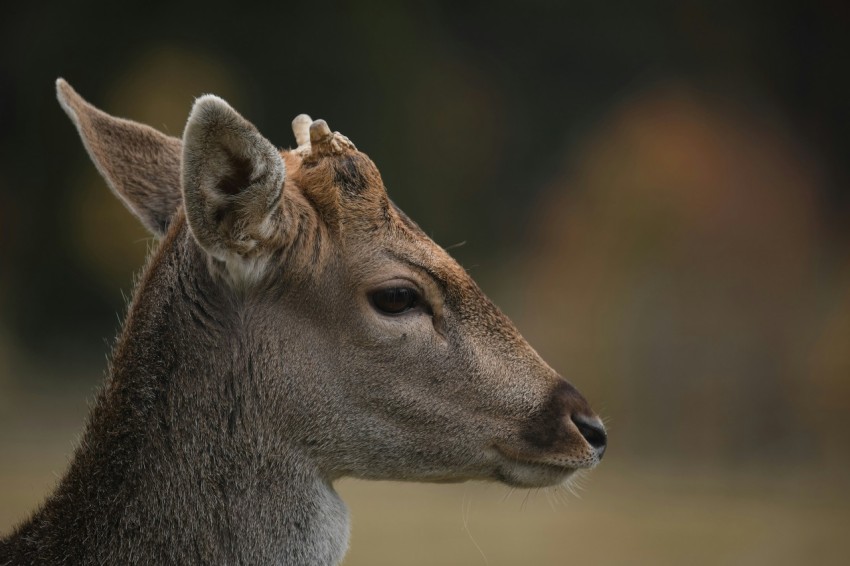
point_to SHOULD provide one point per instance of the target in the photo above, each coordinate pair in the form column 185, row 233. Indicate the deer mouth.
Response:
column 518, row 470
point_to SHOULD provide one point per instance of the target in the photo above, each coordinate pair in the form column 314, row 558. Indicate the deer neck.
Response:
column 177, row 464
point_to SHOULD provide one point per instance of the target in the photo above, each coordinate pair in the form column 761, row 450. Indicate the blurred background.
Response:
column 656, row 192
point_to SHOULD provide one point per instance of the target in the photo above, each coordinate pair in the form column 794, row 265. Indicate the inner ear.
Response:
column 239, row 177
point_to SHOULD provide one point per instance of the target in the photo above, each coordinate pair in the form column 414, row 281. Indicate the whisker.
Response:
column 464, row 514
column 453, row 246
column 525, row 500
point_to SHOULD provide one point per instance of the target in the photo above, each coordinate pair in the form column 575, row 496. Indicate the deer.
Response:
column 291, row 327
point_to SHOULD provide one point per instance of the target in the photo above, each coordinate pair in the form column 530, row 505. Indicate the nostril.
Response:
column 592, row 431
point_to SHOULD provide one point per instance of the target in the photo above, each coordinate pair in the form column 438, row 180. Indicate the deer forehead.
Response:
column 346, row 187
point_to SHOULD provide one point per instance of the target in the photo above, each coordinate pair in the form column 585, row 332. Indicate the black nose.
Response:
column 593, row 432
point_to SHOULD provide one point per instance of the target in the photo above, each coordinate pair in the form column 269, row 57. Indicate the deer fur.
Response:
column 255, row 367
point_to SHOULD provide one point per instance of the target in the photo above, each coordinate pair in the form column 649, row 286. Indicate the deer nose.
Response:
column 593, row 431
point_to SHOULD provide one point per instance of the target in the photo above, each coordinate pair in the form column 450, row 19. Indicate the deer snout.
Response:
column 565, row 425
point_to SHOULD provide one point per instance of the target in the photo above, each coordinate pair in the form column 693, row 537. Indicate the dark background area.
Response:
column 657, row 192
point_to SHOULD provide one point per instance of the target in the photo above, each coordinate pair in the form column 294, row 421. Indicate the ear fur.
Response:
column 140, row 164
column 232, row 181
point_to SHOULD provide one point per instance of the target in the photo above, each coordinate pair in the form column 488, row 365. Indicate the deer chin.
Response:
column 517, row 473
column 517, row 470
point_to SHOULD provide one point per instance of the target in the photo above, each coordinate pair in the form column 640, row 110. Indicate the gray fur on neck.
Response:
column 173, row 467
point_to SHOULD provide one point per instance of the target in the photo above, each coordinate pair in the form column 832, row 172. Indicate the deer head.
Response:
column 381, row 356
column 358, row 346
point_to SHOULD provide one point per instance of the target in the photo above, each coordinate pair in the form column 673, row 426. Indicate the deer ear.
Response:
column 232, row 181
column 140, row 164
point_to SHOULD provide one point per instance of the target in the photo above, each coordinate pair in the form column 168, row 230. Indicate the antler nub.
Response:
column 301, row 129
column 322, row 140
column 320, row 133
column 314, row 138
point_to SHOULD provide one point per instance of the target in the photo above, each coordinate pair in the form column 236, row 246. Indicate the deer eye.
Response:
column 395, row 300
